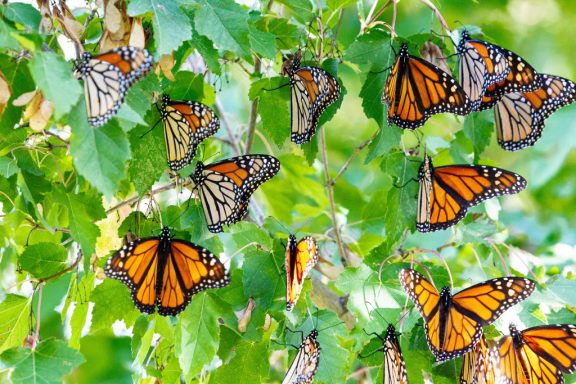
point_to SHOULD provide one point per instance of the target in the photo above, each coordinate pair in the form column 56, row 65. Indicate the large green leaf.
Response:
column 54, row 77
column 14, row 321
column 43, row 259
column 171, row 26
column 250, row 363
column 46, row 364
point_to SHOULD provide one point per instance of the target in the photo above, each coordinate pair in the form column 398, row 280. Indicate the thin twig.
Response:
column 355, row 153
column 337, row 31
column 265, row 142
column 493, row 245
column 438, row 14
column 330, row 193
column 439, row 256
column 37, row 334
column 227, row 127
column 64, row 271
column 511, row 250
column 253, row 112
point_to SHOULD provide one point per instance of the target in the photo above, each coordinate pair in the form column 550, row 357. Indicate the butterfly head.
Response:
column 82, row 67
column 445, row 295
column 291, row 65
column 403, row 50
column 313, row 334
column 391, row 331
column 465, row 35
column 165, row 99
column 197, row 174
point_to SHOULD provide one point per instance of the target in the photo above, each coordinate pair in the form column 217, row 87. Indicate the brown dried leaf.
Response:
column 112, row 18
column 24, row 99
column 5, row 93
column 166, row 63
column 46, row 23
column 432, row 53
column 137, row 37
column 246, row 315
column 72, row 28
column 117, row 26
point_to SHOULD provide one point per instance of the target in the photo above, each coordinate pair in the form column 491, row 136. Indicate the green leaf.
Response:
column 48, row 363
column 250, row 363
column 14, row 321
column 302, row 10
column 262, row 42
column 149, row 157
column 273, row 107
column 387, row 139
column 43, row 259
column 170, row 24
column 54, row 77
column 226, row 24
column 7, row 37
column 81, row 308
column 371, row 49
column 8, row 167
column 197, row 334
column 478, row 127
column 112, row 301
column 83, row 210
column 24, row 14
column 261, row 277
column 371, row 94
column 99, row 153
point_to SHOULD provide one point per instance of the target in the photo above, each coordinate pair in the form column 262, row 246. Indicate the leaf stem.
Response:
column 355, row 153
column 253, row 111
column 227, row 127
column 438, row 14
column 330, row 193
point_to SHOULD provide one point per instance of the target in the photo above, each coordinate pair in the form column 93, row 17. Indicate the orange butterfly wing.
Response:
column 447, row 192
column 300, row 259
column 394, row 365
column 416, row 89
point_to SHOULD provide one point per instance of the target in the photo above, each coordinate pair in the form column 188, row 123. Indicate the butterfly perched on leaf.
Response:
column 520, row 116
column 107, row 77
column 301, row 257
column 394, row 365
column 447, row 192
column 538, row 355
column 186, row 124
column 522, row 77
column 305, row 364
column 312, row 90
column 453, row 323
column 416, row 89
column 477, row 365
column 165, row 272
column 480, row 64
column 225, row 187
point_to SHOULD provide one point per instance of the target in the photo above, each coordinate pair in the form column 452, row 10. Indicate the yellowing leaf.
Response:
column 38, row 112
column 108, row 239
column 137, row 37
column 24, row 99
column 5, row 93
column 166, row 64
column 112, row 18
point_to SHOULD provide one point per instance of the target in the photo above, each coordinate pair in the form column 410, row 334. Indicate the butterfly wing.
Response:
column 186, row 124
column 475, row 364
column 136, row 265
column 107, row 78
column 394, row 365
column 305, row 364
column 300, row 259
column 451, row 190
column 189, row 269
column 226, row 186
column 480, row 65
column 555, row 343
column 521, row 78
column 417, row 89
column 520, row 116
column 312, row 91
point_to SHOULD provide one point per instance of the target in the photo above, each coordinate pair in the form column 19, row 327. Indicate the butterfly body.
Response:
column 447, row 192
column 312, row 91
column 416, row 89
column 107, row 77
column 477, row 365
column 186, row 124
column 225, row 187
column 301, row 256
column 305, row 364
column 453, row 323
column 164, row 272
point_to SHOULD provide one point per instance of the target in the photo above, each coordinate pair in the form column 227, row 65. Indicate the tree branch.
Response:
column 253, row 112
column 355, row 153
column 330, row 193
column 324, row 298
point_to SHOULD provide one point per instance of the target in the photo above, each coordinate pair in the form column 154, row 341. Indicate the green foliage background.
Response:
column 58, row 196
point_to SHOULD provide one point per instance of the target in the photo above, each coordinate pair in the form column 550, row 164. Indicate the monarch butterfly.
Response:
column 477, row 365
column 521, row 78
column 312, row 91
column 520, row 115
column 225, row 187
column 305, row 364
column 394, row 365
column 300, row 259
column 417, row 89
column 107, row 77
column 186, row 124
column 538, row 355
column 165, row 272
column 453, row 323
column 447, row 192
column 480, row 65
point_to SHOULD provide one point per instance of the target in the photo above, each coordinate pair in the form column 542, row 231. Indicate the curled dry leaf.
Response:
column 5, row 93
column 73, row 29
column 46, row 23
column 137, row 37
column 117, row 26
column 267, row 322
column 112, row 18
column 166, row 63
column 432, row 53
column 246, row 315
column 37, row 112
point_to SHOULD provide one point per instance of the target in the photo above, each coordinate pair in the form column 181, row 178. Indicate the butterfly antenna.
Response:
column 331, row 326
